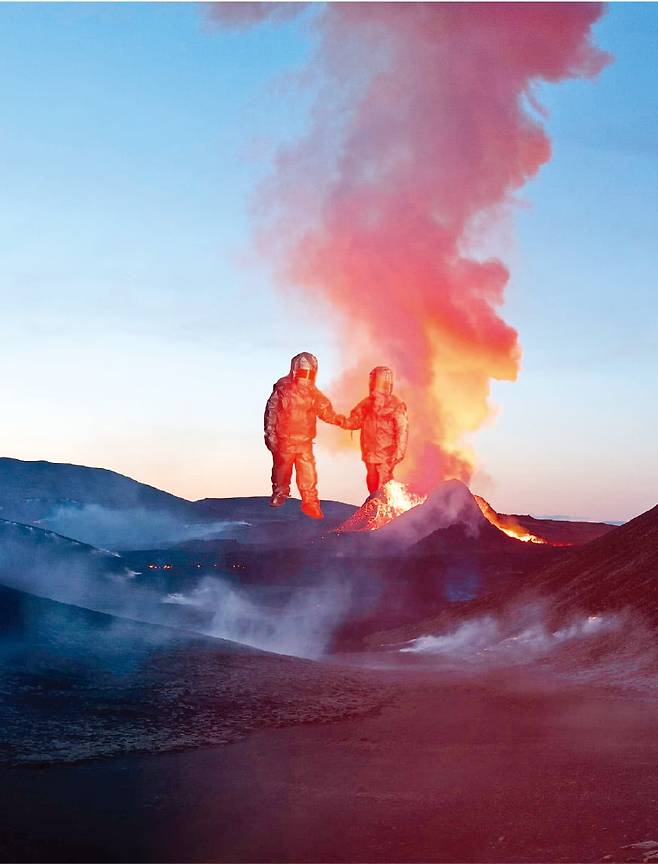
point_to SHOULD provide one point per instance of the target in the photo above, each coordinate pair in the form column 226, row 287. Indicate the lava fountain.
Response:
column 392, row 500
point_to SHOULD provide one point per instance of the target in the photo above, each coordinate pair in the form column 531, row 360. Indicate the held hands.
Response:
column 341, row 421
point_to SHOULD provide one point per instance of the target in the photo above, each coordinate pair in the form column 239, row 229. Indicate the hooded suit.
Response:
column 383, row 421
column 290, row 426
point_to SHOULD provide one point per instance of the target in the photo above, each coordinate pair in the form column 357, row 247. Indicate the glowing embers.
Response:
column 384, row 505
column 507, row 524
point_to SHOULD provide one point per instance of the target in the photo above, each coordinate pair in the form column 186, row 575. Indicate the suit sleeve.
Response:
column 402, row 431
column 271, row 416
column 357, row 415
column 325, row 410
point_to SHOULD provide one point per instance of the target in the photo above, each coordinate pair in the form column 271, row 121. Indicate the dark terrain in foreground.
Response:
column 77, row 684
column 505, row 767
column 487, row 700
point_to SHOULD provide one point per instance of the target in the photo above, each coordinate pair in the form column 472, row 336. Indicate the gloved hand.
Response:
column 270, row 443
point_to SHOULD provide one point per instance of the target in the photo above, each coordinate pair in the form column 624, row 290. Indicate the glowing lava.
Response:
column 507, row 524
column 390, row 501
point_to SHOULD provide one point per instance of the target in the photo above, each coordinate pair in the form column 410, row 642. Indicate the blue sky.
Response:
column 140, row 334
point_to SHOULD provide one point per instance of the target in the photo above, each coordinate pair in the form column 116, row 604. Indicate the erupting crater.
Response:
column 393, row 499
column 451, row 502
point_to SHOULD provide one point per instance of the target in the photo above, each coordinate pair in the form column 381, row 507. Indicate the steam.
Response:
column 486, row 636
column 49, row 566
column 425, row 125
column 302, row 628
column 55, row 567
column 133, row 527
column 611, row 648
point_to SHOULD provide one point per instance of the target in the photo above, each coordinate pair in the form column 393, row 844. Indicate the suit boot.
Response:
column 311, row 508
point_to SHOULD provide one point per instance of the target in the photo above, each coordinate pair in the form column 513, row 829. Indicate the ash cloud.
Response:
column 426, row 124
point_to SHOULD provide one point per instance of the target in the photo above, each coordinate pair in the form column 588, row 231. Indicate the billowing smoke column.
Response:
column 424, row 126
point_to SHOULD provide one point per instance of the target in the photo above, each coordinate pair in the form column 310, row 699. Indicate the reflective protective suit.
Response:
column 290, row 427
column 384, row 424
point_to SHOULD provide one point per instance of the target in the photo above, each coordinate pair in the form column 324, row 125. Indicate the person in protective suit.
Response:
column 383, row 421
column 290, row 426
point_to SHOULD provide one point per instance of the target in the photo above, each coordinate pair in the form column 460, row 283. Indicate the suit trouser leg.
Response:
column 282, row 471
column 307, row 476
column 378, row 474
column 385, row 472
column 372, row 477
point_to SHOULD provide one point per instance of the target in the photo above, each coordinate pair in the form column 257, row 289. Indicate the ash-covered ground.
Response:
column 81, row 685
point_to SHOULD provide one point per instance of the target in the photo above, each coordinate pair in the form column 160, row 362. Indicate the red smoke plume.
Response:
column 424, row 126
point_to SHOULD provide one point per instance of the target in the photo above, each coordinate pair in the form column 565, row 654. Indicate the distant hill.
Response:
column 105, row 508
column 30, row 491
column 572, row 532
column 274, row 526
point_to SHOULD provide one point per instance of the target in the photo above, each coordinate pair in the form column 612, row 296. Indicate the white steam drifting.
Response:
column 302, row 628
column 485, row 637
column 133, row 527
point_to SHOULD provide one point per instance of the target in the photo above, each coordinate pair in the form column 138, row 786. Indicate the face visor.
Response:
column 304, row 367
column 304, row 374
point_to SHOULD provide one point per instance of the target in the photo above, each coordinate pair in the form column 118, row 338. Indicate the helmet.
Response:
column 381, row 380
column 304, row 365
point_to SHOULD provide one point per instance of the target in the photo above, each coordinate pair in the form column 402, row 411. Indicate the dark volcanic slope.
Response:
column 485, row 538
column 617, row 570
column 76, row 684
column 491, row 551
column 30, row 490
column 50, row 564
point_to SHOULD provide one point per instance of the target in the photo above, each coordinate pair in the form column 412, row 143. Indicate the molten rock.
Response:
column 508, row 524
column 381, row 507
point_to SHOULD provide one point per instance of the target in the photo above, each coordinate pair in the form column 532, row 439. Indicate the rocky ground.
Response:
column 90, row 692
column 497, row 767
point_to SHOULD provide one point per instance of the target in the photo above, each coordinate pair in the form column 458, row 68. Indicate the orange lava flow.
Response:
column 507, row 524
column 390, row 501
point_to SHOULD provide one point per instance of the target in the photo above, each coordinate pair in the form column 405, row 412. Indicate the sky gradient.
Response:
column 140, row 332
